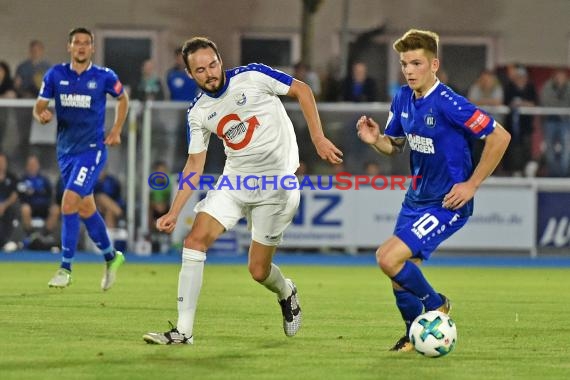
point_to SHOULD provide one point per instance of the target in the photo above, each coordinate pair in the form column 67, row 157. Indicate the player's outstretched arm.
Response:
column 41, row 112
column 495, row 146
column 325, row 148
column 369, row 132
column 192, row 171
column 121, row 109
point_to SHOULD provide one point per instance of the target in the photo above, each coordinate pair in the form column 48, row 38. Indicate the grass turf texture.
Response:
column 512, row 324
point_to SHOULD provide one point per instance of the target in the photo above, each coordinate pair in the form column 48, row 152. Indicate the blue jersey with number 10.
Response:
column 80, row 101
column 438, row 128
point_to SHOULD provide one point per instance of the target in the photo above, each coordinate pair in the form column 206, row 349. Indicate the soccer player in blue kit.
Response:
column 438, row 125
column 80, row 91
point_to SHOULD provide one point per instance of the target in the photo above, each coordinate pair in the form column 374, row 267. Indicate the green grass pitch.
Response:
column 512, row 324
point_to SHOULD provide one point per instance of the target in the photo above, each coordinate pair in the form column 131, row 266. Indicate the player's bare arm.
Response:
column 369, row 132
column 121, row 109
column 194, row 164
column 325, row 148
column 41, row 112
column 495, row 146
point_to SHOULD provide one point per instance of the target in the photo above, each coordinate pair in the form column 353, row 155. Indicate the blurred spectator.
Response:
column 36, row 192
column 330, row 86
column 150, row 85
column 182, row 88
column 359, row 87
column 372, row 168
column 9, row 207
column 486, row 90
column 520, row 92
column 108, row 198
column 556, row 93
column 30, row 73
column 443, row 77
column 6, row 92
column 303, row 72
column 27, row 83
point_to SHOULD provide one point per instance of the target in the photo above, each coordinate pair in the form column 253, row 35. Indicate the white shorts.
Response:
column 268, row 211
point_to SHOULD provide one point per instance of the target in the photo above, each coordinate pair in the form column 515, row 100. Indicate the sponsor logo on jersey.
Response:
column 236, row 133
column 92, row 85
column 404, row 115
column 478, row 121
column 237, row 130
column 64, row 83
column 75, row 100
column 210, row 116
column 421, row 144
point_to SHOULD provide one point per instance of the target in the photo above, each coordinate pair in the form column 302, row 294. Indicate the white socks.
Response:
column 189, row 285
column 276, row 283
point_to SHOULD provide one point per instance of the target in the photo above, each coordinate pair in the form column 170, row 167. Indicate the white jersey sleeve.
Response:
column 198, row 136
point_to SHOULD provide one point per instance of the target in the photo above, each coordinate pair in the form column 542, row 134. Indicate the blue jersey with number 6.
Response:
column 80, row 101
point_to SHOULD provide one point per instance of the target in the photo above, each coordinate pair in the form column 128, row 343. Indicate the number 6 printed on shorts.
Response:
column 81, row 176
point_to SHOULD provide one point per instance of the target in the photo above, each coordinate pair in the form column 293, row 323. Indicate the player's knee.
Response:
column 69, row 208
column 197, row 241
column 86, row 211
column 258, row 272
column 384, row 260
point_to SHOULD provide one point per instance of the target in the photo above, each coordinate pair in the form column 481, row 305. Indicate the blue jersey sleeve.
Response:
column 47, row 89
column 393, row 125
column 460, row 112
column 113, row 85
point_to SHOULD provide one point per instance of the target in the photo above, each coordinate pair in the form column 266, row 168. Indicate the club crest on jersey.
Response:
column 92, row 85
column 429, row 120
column 240, row 99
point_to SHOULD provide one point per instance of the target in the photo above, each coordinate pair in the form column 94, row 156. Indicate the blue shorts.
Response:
column 79, row 172
column 424, row 229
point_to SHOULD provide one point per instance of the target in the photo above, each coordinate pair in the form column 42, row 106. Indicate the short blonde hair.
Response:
column 415, row 39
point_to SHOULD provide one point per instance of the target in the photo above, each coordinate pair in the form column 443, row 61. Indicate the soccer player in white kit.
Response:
column 241, row 106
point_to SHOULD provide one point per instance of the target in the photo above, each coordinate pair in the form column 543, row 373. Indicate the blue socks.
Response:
column 409, row 305
column 97, row 231
column 412, row 279
column 69, row 239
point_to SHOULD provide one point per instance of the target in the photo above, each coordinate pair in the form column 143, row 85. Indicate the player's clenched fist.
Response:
column 45, row 116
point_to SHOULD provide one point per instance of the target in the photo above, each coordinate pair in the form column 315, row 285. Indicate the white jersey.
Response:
column 247, row 115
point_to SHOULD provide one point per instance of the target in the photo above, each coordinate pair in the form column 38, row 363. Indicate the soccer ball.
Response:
column 433, row 334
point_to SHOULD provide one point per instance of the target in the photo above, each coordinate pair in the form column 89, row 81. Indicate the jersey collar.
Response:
column 86, row 70
column 432, row 89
